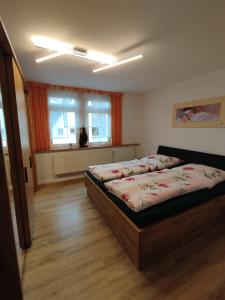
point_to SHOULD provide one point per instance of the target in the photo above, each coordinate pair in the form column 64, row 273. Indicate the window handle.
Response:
column 31, row 166
column 25, row 173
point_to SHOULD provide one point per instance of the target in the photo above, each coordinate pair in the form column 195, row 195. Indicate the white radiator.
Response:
column 77, row 161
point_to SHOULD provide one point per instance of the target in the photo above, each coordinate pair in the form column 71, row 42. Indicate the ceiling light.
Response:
column 59, row 48
column 50, row 56
column 118, row 63
column 95, row 56
column 101, row 57
column 51, row 44
column 66, row 48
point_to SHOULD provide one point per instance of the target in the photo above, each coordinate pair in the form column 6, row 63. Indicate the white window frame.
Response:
column 104, row 110
column 82, row 113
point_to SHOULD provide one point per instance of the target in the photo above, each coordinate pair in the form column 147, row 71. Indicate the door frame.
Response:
column 13, row 135
column 10, row 284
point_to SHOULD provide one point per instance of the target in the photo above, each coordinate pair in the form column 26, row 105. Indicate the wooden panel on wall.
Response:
column 32, row 140
column 25, row 140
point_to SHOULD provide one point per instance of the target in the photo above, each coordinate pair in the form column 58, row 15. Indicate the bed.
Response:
column 147, row 235
column 123, row 169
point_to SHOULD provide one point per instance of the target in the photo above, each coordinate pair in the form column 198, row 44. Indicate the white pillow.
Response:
column 213, row 175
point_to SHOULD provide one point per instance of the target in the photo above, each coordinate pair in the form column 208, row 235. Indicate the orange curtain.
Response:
column 38, row 94
column 38, row 97
column 116, row 114
column 71, row 88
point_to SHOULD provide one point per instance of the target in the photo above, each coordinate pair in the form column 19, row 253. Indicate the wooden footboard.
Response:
column 147, row 244
column 125, row 231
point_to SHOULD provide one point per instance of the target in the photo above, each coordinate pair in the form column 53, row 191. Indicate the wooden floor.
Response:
column 76, row 257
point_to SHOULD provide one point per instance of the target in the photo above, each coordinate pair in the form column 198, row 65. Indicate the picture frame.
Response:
column 206, row 113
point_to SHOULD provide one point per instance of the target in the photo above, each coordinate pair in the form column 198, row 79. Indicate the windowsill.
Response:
column 61, row 149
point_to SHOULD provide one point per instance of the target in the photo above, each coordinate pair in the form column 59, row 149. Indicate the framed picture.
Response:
column 201, row 113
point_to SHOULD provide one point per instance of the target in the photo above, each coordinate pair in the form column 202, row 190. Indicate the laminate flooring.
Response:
column 76, row 257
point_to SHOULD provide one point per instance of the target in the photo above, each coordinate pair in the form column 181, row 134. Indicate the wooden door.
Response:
column 18, row 138
column 7, row 154
column 25, row 140
column 10, row 283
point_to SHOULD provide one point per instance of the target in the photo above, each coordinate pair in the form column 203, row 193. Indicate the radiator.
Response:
column 77, row 161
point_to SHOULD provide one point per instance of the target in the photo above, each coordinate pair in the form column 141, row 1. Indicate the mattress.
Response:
column 166, row 209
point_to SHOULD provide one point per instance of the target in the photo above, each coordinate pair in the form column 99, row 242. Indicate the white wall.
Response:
column 131, row 114
column 157, row 116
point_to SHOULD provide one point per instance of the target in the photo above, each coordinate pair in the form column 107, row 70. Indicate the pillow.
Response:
column 213, row 175
column 162, row 161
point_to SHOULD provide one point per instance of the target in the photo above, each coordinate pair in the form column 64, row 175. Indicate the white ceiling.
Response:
column 179, row 39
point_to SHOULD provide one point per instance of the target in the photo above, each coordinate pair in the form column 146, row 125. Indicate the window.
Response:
column 98, row 118
column 64, row 111
column 2, row 124
column 69, row 111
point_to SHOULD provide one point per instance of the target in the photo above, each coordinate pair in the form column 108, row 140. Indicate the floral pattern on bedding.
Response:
column 141, row 191
column 213, row 175
column 133, row 167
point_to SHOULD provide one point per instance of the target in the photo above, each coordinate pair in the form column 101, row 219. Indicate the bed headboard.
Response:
column 189, row 156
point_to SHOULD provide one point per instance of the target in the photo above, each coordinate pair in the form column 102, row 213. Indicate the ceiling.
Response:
column 179, row 39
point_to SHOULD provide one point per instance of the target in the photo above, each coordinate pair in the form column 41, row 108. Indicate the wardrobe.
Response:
column 16, row 173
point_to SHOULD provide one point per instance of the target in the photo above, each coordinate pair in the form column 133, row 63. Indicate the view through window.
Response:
column 69, row 111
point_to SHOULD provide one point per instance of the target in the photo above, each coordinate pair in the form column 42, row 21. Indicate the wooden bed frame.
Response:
column 145, row 245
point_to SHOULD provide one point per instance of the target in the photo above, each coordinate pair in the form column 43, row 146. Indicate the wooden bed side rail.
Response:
column 127, row 233
column 160, row 238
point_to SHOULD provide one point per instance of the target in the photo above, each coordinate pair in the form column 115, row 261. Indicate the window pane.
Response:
column 99, row 127
column 62, row 126
column 64, row 116
column 99, row 105
column 97, row 111
column 71, row 119
column 3, row 130
column 61, row 102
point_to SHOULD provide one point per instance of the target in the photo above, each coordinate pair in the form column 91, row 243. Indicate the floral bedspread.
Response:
column 133, row 167
column 142, row 191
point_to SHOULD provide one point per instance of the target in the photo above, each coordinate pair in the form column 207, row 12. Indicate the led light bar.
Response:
column 118, row 63
column 101, row 57
column 51, row 44
column 50, row 56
